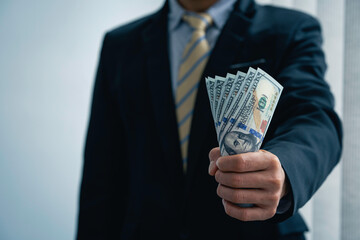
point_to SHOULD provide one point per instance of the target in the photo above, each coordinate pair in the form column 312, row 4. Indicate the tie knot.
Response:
column 199, row 21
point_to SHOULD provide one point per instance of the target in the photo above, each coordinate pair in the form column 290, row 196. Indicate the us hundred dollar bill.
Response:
column 219, row 82
column 223, row 97
column 248, row 125
column 232, row 97
column 210, row 84
column 229, row 116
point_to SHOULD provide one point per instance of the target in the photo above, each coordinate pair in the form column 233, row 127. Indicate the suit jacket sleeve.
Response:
column 305, row 132
column 103, row 195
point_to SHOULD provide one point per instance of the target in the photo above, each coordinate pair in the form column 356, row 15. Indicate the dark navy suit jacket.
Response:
column 133, row 186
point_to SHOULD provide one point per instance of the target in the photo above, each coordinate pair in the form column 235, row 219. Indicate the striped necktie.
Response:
column 192, row 65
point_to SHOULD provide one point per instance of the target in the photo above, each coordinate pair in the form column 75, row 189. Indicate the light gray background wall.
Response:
column 48, row 56
column 351, row 164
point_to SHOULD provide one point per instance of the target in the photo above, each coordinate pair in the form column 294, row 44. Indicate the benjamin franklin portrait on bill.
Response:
column 239, row 141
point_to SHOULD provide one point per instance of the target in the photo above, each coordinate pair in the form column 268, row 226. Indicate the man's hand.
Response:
column 254, row 177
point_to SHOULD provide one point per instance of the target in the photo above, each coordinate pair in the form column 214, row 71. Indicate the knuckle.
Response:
column 276, row 182
column 240, row 163
column 212, row 169
column 227, row 209
column 219, row 163
column 274, row 161
column 271, row 212
column 212, row 154
column 272, row 164
column 275, row 158
column 273, row 198
column 218, row 176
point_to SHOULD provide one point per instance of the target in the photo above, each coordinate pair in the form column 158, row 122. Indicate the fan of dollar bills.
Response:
column 242, row 106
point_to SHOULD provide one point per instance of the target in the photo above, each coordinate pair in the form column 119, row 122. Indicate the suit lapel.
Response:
column 228, row 45
column 162, row 101
column 158, row 73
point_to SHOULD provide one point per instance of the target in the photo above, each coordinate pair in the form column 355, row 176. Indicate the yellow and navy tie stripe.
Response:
column 192, row 65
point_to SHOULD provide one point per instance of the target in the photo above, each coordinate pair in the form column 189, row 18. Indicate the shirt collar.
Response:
column 219, row 12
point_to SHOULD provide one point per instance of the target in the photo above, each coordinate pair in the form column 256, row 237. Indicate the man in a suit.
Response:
column 147, row 173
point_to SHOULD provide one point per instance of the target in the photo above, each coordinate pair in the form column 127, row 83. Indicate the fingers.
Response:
column 266, row 180
column 259, row 197
column 238, row 195
column 248, row 162
column 242, row 180
column 247, row 214
column 249, row 178
column 214, row 154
